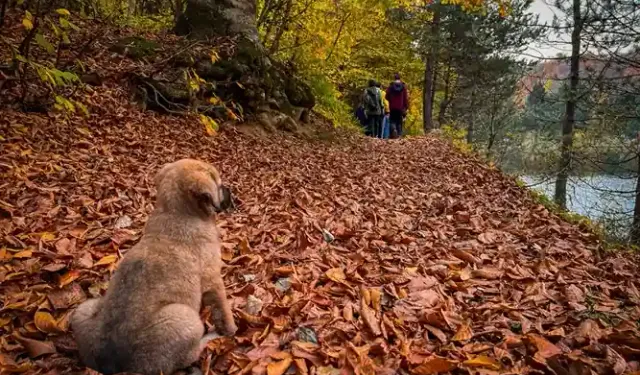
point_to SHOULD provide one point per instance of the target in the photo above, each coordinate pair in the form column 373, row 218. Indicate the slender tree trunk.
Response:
column 445, row 100
column 335, row 41
column 470, row 124
column 427, row 92
column 566, row 153
column 635, row 227
column 283, row 26
column 177, row 12
column 3, row 10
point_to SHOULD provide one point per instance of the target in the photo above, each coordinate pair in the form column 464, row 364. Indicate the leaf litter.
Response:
column 357, row 256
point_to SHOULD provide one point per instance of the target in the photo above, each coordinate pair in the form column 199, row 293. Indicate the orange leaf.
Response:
column 280, row 367
column 434, row 365
column 45, row 322
column 106, row 260
column 301, row 366
column 336, row 274
column 483, row 361
column 69, row 277
column 23, row 254
column 544, row 348
column 464, row 333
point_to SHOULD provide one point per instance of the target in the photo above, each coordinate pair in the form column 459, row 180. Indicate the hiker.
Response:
column 362, row 118
column 384, row 131
column 373, row 109
column 398, row 97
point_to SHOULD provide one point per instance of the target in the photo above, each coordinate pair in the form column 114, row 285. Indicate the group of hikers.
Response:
column 382, row 110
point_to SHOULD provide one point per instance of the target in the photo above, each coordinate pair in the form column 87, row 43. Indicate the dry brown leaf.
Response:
column 370, row 320
column 434, row 365
column 543, row 349
column 35, row 348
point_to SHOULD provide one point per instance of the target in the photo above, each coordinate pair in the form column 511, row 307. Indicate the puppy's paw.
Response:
column 228, row 328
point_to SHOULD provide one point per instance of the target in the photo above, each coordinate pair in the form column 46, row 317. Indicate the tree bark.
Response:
column 445, row 100
column 566, row 153
column 635, row 227
column 427, row 92
column 209, row 18
column 470, row 124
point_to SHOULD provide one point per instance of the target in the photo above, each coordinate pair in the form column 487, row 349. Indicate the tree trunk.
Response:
column 445, row 100
column 427, row 92
column 566, row 153
column 210, row 18
column 266, row 85
column 281, row 29
column 471, row 111
column 635, row 227
column 3, row 9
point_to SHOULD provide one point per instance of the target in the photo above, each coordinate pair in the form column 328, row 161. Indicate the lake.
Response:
column 604, row 198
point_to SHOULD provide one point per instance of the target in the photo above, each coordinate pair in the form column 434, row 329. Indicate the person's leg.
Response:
column 378, row 126
column 369, row 125
column 400, row 125
column 394, row 118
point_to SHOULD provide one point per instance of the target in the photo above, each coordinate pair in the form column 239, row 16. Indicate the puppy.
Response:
column 148, row 321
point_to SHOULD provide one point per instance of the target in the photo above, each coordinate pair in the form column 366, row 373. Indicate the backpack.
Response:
column 372, row 102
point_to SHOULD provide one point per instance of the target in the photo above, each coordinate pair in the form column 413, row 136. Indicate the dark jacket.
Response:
column 397, row 96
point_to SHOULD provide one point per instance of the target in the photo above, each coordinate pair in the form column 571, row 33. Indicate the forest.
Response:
column 497, row 235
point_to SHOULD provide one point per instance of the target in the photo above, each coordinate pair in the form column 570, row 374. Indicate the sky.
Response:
column 545, row 11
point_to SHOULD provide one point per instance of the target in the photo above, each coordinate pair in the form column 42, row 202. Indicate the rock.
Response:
column 285, row 122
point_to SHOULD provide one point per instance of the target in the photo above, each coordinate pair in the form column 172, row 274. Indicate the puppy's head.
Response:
column 192, row 187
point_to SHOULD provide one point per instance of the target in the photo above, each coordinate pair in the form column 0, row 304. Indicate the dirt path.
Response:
column 436, row 261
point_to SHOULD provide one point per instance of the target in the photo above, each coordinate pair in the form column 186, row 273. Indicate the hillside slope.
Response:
column 437, row 261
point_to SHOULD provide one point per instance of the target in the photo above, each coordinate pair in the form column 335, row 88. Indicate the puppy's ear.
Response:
column 206, row 202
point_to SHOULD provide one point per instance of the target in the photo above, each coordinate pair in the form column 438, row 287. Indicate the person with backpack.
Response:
column 398, row 97
column 373, row 109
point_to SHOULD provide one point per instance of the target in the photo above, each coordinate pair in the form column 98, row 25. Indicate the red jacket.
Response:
column 397, row 96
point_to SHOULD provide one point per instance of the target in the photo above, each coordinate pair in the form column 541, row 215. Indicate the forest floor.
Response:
column 344, row 255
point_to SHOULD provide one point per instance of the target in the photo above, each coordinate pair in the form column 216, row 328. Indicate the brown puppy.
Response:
column 148, row 321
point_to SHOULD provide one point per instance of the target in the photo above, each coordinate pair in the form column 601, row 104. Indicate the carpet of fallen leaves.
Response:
column 354, row 257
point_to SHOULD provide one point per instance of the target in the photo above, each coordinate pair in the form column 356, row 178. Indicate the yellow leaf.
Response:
column 25, row 152
column 279, row 368
column 106, row 260
column 45, row 322
column 214, row 56
column 232, row 115
column 83, row 131
column 483, row 361
column 464, row 333
column 48, row 236
column 63, row 12
column 214, row 100
column 23, row 254
column 27, row 24
column 336, row 274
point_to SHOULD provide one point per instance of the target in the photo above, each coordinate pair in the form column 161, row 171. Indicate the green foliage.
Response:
column 329, row 103
column 458, row 137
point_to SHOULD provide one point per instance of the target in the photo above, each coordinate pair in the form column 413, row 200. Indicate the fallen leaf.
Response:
column 67, row 297
column 336, row 274
column 69, row 277
column 464, row 333
column 106, row 260
column 484, row 362
column 434, row 365
column 45, row 322
column 280, row 367
column 35, row 348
